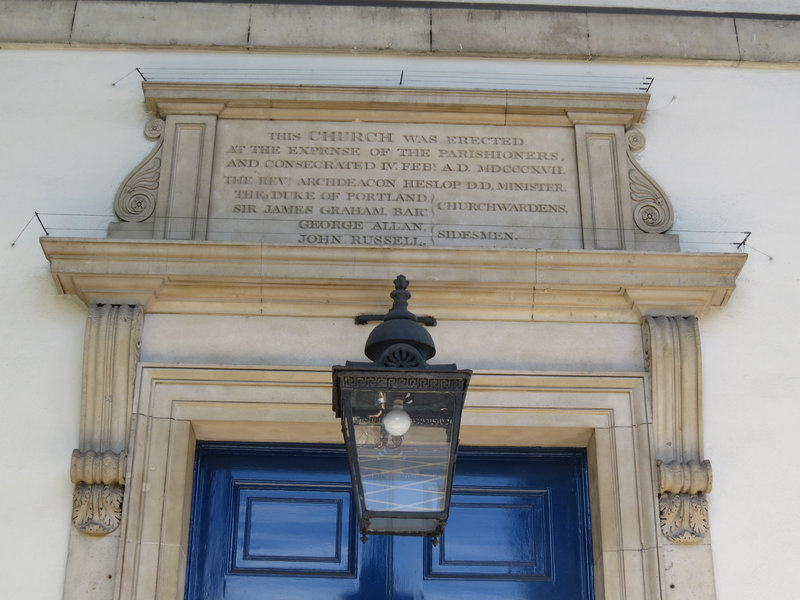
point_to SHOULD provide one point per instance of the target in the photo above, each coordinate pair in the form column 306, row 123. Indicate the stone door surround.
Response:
column 176, row 406
column 642, row 430
column 139, row 422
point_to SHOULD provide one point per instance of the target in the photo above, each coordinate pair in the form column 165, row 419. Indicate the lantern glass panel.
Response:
column 404, row 442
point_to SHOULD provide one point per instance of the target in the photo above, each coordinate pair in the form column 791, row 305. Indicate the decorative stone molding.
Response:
column 97, row 508
column 93, row 467
column 182, row 206
column 652, row 210
column 135, row 201
column 684, row 478
column 684, row 517
column 683, row 508
column 603, row 412
column 672, row 355
column 520, row 285
column 209, row 138
column 111, row 349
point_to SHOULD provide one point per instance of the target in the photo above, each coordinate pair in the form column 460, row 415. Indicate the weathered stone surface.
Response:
column 136, row 197
column 769, row 41
column 509, row 32
column 394, row 104
column 662, row 36
column 99, row 467
column 161, row 23
column 339, row 27
column 672, row 354
column 279, row 404
column 111, row 348
column 181, row 210
column 394, row 184
column 688, row 572
column 47, row 21
column 91, row 566
column 545, row 33
column 652, row 211
column 468, row 283
column 396, row 167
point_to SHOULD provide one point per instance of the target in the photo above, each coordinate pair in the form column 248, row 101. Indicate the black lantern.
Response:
column 400, row 420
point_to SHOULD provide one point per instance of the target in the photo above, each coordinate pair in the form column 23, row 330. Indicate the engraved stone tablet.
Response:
column 391, row 167
column 389, row 184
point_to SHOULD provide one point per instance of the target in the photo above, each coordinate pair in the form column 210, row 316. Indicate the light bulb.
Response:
column 397, row 422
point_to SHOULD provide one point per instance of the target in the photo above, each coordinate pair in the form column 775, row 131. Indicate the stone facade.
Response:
column 191, row 157
column 591, row 340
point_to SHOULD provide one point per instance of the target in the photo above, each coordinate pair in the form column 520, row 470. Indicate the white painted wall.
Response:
column 722, row 142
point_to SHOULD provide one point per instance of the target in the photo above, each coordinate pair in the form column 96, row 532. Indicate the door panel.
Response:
column 518, row 528
column 277, row 521
column 268, row 539
column 494, row 535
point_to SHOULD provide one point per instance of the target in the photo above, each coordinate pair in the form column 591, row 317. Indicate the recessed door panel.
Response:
column 494, row 535
column 294, row 530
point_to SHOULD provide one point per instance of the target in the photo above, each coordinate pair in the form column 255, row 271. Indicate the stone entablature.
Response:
column 394, row 168
column 518, row 285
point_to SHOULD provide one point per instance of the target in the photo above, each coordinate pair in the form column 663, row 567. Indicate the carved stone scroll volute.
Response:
column 111, row 349
column 672, row 354
column 652, row 210
column 136, row 198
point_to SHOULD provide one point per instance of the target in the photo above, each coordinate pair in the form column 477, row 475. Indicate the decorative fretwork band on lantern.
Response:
column 401, row 382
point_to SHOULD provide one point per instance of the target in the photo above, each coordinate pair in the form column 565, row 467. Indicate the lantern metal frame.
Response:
column 400, row 377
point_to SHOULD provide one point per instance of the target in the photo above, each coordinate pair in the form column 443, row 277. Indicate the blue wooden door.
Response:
column 277, row 522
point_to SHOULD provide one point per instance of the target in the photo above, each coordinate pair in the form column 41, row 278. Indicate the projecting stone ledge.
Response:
column 471, row 29
column 480, row 284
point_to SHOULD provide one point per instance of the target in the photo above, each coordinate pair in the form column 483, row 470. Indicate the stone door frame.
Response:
column 174, row 406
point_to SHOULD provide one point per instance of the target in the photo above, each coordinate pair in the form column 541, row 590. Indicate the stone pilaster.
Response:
column 111, row 349
column 98, row 467
column 672, row 349
column 672, row 355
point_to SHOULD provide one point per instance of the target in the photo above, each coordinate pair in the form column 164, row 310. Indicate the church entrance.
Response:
column 277, row 522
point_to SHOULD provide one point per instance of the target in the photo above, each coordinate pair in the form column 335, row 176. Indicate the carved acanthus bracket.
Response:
column 97, row 509
column 672, row 355
column 135, row 201
column 684, row 517
column 681, row 500
column 111, row 349
column 652, row 210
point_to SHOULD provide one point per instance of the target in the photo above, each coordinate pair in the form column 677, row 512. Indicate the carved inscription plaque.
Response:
column 387, row 184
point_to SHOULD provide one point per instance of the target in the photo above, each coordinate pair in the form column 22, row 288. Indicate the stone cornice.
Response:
column 387, row 105
column 517, row 285
column 408, row 27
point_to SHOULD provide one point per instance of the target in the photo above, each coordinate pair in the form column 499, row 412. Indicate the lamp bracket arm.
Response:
column 364, row 319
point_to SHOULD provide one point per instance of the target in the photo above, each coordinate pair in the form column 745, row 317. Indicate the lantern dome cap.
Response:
column 400, row 326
